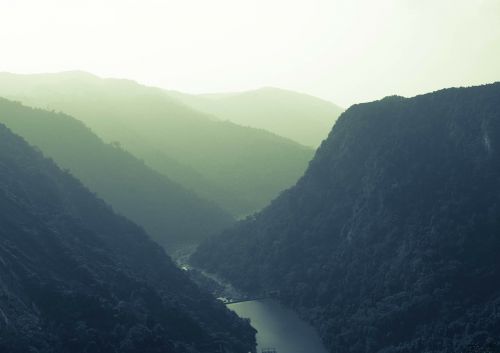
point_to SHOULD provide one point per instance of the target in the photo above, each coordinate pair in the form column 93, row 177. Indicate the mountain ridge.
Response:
column 76, row 277
column 300, row 117
column 235, row 163
column 388, row 242
column 172, row 215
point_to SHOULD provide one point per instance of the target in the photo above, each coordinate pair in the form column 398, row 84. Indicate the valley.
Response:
column 265, row 176
column 287, row 277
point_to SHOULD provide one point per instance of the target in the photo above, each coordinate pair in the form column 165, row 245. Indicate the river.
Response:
column 279, row 327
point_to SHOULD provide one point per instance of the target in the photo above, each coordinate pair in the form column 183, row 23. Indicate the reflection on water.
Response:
column 279, row 327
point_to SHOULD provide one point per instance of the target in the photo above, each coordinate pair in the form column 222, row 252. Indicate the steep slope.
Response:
column 172, row 215
column 390, row 241
column 75, row 277
column 299, row 117
column 240, row 168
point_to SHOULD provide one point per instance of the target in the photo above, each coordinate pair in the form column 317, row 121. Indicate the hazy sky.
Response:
column 346, row 51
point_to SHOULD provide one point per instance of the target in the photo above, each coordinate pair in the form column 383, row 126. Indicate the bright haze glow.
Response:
column 346, row 51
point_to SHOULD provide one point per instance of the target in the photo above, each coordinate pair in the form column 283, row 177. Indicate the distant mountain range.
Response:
column 172, row 215
column 75, row 277
column 390, row 242
column 240, row 168
column 299, row 117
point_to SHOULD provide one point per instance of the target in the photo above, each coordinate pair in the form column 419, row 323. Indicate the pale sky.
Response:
column 346, row 51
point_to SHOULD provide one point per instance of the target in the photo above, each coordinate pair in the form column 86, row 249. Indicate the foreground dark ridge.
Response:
column 390, row 241
column 75, row 277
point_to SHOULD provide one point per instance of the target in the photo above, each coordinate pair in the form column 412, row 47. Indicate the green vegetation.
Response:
column 239, row 168
column 390, row 241
column 75, row 277
column 172, row 215
column 299, row 117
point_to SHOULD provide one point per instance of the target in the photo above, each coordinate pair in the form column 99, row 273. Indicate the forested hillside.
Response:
column 172, row 215
column 297, row 116
column 391, row 240
column 240, row 168
column 75, row 277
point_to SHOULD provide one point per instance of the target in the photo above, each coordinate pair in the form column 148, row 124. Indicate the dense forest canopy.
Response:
column 76, row 277
column 390, row 241
column 225, row 176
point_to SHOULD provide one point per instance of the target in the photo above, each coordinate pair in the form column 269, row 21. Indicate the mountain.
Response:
column 390, row 241
column 172, row 215
column 239, row 168
column 76, row 277
column 299, row 117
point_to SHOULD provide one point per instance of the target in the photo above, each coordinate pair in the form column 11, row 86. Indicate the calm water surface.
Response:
column 279, row 327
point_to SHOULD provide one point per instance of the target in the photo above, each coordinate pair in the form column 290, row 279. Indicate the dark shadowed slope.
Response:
column 75, row 277
column 172, row 215
column 240, row 168
column 297, row 116
column 391, row 240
